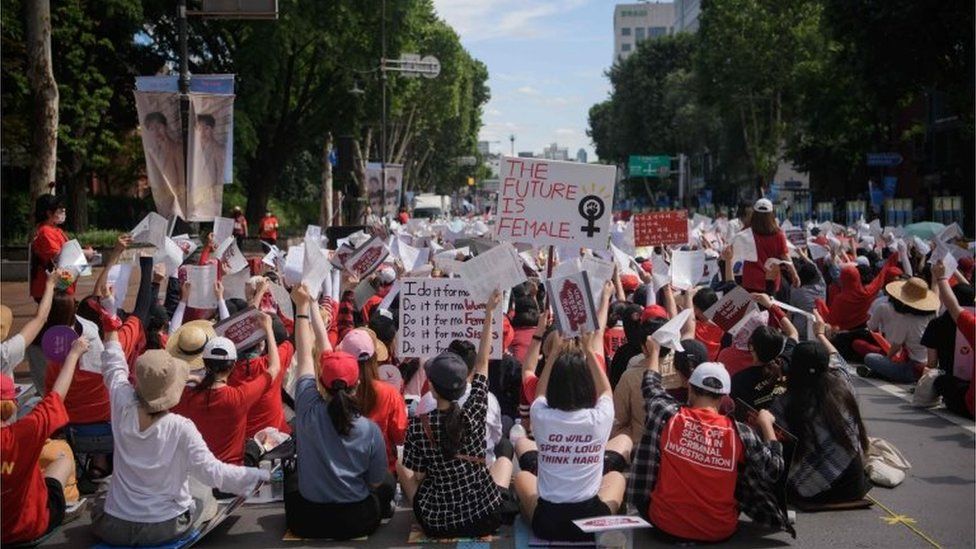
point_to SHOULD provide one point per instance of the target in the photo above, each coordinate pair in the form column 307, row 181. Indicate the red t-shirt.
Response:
column 268, row 411
column 613, row 338
column 221, row 415
column 694, row 496
column 735, row 360
column 269, row 227
column 390, row 414
column 521, row 340
column 45, row 247
column 87, row 399
column 753, row 272
column 24, row 495
column 711, row 336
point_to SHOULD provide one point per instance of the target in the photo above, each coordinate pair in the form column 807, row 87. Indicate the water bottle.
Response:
column 277, row 481
column 265, row 492
column 517, row 432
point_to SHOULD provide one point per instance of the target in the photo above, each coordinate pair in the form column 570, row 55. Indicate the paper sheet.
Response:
column 222, row 228
column 498, row 268
column 669, row 335
column 201, row 279
column 118, row 279
column 231, row 257
column 151, row 230
column 687, row 268
column 72, row 257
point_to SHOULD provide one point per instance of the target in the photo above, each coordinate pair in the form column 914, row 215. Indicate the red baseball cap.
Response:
column 630, row 282
column 8, row 391
column 652, row 312
column 338, row 366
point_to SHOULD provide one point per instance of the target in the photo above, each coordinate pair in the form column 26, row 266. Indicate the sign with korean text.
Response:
column 733, row 309
column 661, row 228
column 560, row 203
column 244, row 328
column 436, row 311
column 649, row 166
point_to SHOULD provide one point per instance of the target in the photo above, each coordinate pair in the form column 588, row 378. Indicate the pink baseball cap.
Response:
column 357, row 343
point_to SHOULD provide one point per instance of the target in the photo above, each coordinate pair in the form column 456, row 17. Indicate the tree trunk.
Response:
column 262, row 178
column 44, row 142
column 325, row 214
column 78, row 201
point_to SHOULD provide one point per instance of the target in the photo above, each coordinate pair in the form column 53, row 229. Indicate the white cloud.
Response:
column 528, row 90
column 477, row 20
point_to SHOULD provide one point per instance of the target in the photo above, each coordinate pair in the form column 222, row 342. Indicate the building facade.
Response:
column 634, row 23
column 686, row 13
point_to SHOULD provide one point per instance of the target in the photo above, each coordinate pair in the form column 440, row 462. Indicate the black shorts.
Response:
column 612, row 461
column 554, row 521
column 55, row 504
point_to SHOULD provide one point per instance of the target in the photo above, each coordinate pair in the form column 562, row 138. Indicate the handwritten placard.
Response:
column 661, row 228
column 436, row 311
column 559, row 203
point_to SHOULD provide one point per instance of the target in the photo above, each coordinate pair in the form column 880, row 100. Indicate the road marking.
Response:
column 901, row 393
column 894, row 518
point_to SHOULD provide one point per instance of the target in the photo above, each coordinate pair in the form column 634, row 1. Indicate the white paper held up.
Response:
column 498, row 268
column 201, row 279
column 669, row 335
column 687, row 268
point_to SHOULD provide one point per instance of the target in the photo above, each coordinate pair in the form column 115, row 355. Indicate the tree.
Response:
column 44, row 140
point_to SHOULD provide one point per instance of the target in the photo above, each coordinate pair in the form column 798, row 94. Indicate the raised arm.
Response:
column 63, row 381
column 945, row 291
column 320, row 327
column 484, row 346
column 535, row 346
column 820, row 331
column 36, row 323
column 601, row 319
column 789, row 330
column 121, row 243
column 274, row 360
column 303, row 332
column 589, row 340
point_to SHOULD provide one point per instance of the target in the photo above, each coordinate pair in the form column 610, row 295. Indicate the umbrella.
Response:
column 926, row 230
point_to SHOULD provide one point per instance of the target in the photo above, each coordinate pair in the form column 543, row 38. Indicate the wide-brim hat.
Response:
column 187, row 342
column 160, row 378
column 915, row 293
column 382, row 353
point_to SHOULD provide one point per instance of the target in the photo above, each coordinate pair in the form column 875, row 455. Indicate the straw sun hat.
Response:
column 188, row 341
column 915, row 293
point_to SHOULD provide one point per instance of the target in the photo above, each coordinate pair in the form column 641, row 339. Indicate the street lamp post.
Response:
column 383, row 111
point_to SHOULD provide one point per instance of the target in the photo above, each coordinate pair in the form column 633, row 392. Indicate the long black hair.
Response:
column 816, row 391
column 215, row 367
column 343, row 407
column 452, row 430
column 571, row 386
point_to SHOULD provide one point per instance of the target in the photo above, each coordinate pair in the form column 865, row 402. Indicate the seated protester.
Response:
column 384, row 327
column 634, row 335
column 706, row 331
column 965, row 320
column 13, row 350
column 614, row 337
column 689, row 495
column 812, row 287
column 759, row 384
column 219, row 410
column 253, row 362
column 505, row 383
column 378, row 400
column 32, row 501
column 576, row 470
column 942, row 339
column 493, row 418
column 820, row 409
column 523, row 325
column 160, row 489
column 738, row 356
column 911, row 306
column 342, row 481
column 443, row 469
column 628, row 401
column 382, row 283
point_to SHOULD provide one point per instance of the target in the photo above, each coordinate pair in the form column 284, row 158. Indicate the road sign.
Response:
column 886, row 159
column 411, row 64
column 649, row 166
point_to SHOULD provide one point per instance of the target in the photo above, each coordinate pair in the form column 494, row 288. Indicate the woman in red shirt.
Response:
column 219, row 410
column 49, row 213
column 770, row 244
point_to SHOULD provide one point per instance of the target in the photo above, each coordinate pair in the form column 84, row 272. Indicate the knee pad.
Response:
column 530, row 462
column 613, row 461
column 504, row 449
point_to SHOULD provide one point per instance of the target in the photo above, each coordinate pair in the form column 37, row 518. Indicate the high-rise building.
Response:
column 526, row 154
column 634, row 23
column 484, row 147
column 555, row 152
column 686, row 14
column 581, row 156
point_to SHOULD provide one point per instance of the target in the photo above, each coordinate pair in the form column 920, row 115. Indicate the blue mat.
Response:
column 185, row 541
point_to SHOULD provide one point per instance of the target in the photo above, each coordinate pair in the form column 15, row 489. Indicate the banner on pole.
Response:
column 162, row 144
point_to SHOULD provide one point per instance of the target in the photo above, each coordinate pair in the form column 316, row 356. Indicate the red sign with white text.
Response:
column 661, row 228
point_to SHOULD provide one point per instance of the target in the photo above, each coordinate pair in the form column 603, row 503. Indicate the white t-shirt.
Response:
column 493, row 432
column 905, row 329
column 571, row 446
column 11, row 354
column 149, row 483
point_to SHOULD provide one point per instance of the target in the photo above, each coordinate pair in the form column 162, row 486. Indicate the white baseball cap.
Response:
column 763, row 205
column 386, row 275
column 220, row 348
column 711, row 377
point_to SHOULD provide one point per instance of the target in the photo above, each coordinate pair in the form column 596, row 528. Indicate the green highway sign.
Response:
column 649, row 166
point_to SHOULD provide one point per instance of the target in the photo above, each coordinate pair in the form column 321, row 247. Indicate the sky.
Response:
column 546, row 61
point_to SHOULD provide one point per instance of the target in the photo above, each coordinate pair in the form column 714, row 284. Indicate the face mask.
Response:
column 59, row 218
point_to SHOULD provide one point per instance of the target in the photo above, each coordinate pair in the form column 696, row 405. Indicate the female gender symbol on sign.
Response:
column 591, row 208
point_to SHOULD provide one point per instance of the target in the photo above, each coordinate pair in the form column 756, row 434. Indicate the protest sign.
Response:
column 498, row 268
column 201, row 279
column 72, row 257
column 313, row 232
column 56, row 342
column 390, row 296
column 187, row 245
column 744, row 247
column 610, row 522
column 796, row 237
column 315, row 268
column 669, row 335
column 566, row 268
column 118, row 280
column 412, row 258
column 963, row 364
column 436, row 311
column 942, row 253
column 366, row 258
column 817, row 251
column 170, row 254
column 294, row 265
column 661, row 228
column 599, row 271
column 222, row 228
column 571, row 299
column 234, row 284
column 244, row 328
column 151, row 230
column 951, row 232
column 384, row 198
column 709, row 271
column 730, row 311
column 282, row 299
column 687, row 268
column 230, row 256
column 558, row 203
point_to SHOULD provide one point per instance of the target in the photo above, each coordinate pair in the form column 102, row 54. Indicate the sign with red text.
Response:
column 733, row 309
column 610, row 522
column 572, row 301
column 796, row 236
column 550, row 202
column 436, row 311
column 367, row 257
column 244, row 328
column 661, row 228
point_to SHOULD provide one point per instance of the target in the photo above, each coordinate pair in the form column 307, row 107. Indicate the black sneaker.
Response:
column 864, row 371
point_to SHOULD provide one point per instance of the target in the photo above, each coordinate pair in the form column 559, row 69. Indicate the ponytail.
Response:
column 342, row 407
column 452, row 429
column 214, row 367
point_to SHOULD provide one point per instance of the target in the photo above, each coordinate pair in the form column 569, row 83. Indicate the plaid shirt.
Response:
column 756, row 477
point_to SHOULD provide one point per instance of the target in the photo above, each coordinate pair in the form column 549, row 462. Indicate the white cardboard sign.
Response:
column 201, row 279
column 436, row 311
column 687, row 268
column 244, row 328
column 571, row 299
column 498, row 268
